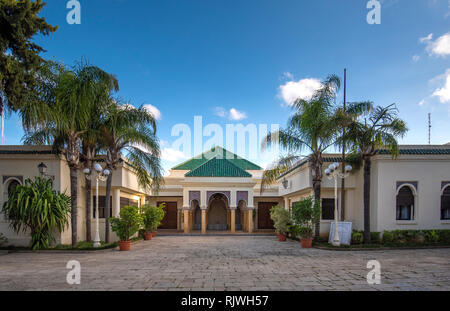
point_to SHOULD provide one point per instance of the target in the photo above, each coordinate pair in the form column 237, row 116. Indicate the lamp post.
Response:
column 43, row 171
column 333, row 173
column 99, row 174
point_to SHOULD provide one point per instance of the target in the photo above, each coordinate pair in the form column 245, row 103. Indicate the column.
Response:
column 286, row 203
column 250, row 221
column 233, row 220
column 203, row 220
column 116, row 202
column 186, row 221
column 244, row 222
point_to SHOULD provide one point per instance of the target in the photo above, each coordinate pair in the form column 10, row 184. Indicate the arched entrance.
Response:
column 217, row 212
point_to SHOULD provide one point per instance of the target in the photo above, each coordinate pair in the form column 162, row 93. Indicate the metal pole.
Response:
column 336, row 241
column 343, row 152
column 97, row 232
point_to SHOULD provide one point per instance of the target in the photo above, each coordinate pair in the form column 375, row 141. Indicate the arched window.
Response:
column 12, row 185
column 445, row 204
column 405, row 204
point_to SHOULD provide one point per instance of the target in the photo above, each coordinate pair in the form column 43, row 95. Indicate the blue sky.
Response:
column 206, row 57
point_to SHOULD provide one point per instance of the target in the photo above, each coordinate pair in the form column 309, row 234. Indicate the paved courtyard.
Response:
column 226, row 263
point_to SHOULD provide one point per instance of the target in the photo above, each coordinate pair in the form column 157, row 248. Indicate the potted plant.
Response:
column 305, row 214
column 152, row 217
column 129, row 222
column 281, row 221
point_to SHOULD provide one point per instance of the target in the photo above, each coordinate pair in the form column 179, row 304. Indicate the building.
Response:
column 219, row 190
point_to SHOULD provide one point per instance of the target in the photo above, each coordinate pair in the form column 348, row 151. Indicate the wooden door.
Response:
column 170, row 218
column 264, row 221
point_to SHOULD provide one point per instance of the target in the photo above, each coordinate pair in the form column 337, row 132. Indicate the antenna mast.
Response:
column 429, row 128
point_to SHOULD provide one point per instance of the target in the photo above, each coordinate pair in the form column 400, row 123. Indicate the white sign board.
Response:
column 345, row 232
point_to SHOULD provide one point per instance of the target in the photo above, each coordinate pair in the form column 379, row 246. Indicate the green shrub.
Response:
column 388, row 237
column 357, row 237
column 444, row 236
column 375, row 237
column 37, row 208
column 128, row 224
column 432, row 236
column 305, row 214
column 152, row 217
column 281, row 219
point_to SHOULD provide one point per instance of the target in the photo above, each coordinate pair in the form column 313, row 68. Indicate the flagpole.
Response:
column 343, row 152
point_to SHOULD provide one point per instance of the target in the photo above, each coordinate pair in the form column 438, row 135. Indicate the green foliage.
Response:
column 152, row 217
column 3, row 239
column 432, row 236
column 281, row 219
column 388, row 237
column 19, row 54
column 375, row 237
column 357, row 237
column 305, row 214
column 36, row 207
column 128, row 224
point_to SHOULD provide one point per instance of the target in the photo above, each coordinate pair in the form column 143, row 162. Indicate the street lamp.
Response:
column 333, row 173
column 43, row 171
column 99, row 174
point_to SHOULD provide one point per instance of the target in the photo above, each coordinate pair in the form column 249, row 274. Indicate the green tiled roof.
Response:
column 220, row 153
column 417, row 151
column 217, row 167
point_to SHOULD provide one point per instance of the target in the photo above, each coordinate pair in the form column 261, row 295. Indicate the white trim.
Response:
column 443, row 189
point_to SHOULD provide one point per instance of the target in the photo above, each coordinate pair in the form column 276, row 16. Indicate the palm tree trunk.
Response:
column 88, row 209
column 367, row 166
column 107, row 205
column 317, row 189
column 74, row 203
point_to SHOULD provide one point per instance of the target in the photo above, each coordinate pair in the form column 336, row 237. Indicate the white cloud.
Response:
column 153, row 110
column 237, row 115
column 232, row 114
column 220, row 111
column 443, row 93
column 438, row 47
column 172, row 155
column 415, row 58
column 287, row 75
column 422, row 102
column 303, row 89
column 426, row 39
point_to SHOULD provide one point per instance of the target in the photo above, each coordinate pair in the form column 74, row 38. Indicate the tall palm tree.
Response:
column 313, row 128
column 131, row 131
column 64, row 120
column 365, row 136
column 91, row 137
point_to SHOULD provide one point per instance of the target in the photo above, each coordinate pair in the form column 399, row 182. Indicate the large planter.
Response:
column 124, row 246
column 306, row 243
column 148, row 236
column 281, row 237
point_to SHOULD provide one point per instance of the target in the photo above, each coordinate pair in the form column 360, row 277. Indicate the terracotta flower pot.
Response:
column 124, row 246
column 281, row 237
column 153, row 233
column 148, row 236
column 306, row 243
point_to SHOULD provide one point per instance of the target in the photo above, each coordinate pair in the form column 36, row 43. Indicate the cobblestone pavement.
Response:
column 226, row 263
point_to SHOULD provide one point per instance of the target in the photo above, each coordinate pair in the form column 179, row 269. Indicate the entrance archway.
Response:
column 217, row 213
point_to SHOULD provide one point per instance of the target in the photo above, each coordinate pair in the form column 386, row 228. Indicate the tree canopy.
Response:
column 19, row 55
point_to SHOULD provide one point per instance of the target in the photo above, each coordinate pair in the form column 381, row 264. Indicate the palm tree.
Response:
column 64, row 120
column 313, row 127
column 91, row 138
column 132, row 131
column 366, row 136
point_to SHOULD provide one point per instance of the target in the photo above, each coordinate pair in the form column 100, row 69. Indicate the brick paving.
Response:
column 226, row 263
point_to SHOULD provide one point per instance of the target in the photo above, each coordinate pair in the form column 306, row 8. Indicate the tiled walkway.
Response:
column 226, row 263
